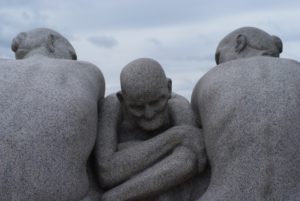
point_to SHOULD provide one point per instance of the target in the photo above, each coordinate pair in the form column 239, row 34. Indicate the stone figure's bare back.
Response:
column 48, row 125
column 250, row 112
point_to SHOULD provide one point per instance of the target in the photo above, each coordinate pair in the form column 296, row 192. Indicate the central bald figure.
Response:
column 148, row 141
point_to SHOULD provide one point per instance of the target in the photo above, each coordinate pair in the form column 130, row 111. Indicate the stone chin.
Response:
column 151, row 124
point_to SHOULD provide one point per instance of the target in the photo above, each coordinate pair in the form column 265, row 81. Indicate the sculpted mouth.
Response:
column 151, row 124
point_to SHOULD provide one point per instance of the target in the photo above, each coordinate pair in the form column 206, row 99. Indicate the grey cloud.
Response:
column 155, row 41
column 36, row 5
column 103, row 41
column 6, row 53
column 24, row 20
column 195, row 58
column 85, row 18
column 146, row 13
column 5, row 41
column 103, row 15
column 14, row 21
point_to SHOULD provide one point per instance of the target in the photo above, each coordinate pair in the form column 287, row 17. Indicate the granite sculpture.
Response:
column 249, row 109
column 148, row 142
column 48, row 120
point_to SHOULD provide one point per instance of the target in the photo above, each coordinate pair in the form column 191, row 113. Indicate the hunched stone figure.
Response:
column 249, row 108
column 148, row 141
column 48, row 120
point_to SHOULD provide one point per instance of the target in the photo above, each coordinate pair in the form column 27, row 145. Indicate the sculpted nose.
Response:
column 149, row 112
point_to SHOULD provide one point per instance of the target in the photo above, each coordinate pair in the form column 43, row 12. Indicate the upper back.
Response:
column 54, row 73
column 260, row 87
column 40, row 89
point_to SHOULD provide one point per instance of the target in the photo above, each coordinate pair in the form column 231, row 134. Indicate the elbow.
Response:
column 105, row 181
column 190, row 165
column 187, row 164
column 202, row 162
column 105, row 177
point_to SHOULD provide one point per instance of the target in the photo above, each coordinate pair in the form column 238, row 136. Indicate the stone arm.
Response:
column 171, row 171
column 168, row 168
column 181, row 111
column 183, row 114
column 195, row 105
column 115, row 166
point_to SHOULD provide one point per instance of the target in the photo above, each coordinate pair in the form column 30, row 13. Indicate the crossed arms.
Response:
column 138, row 169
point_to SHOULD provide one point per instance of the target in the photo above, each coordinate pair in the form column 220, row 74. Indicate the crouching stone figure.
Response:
column 249, row 108
column 148, row 141
column 48, row 119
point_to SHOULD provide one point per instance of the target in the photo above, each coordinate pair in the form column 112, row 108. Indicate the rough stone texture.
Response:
column 250, row 113
column 48, row 120
column 247, row 42
column 148, row 146
column 42, row 41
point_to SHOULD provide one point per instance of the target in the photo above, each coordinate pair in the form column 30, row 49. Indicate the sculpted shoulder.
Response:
column 86, row 70
column 252, row 66
column 181, row 111
column 244, row 74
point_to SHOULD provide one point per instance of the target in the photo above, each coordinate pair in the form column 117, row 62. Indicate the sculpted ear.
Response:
column 120, row 96
column 73, row 55
column 241, row 43
column 169, row 87
column 50, row 42
column 278, row 43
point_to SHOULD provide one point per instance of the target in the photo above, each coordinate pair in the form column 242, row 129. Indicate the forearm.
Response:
column 127, row 162
column 109, row 118
column 167, row 173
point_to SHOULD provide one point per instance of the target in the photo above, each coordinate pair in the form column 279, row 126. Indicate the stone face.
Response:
column 250, row 114
column 48, row 124
column 148, row 145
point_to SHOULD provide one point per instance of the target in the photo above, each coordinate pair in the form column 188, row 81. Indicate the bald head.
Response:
column 143, row 78
column 145, row 92
column 247, row 42
column 42, row 41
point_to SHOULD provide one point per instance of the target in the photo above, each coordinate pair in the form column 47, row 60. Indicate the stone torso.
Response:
column 130, row 134
column 48, row 126
column 250, row 113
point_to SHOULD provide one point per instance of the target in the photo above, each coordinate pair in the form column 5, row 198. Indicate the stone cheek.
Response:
column 48, row 125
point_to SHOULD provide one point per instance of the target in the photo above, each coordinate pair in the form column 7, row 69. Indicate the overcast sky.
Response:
column 181, row 35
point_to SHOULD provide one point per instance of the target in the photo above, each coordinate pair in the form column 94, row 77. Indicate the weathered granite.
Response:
column 249, row 109
column 148, row 142
column 247, row 42
column 48, row 120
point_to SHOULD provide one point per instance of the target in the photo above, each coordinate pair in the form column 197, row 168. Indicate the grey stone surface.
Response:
column 249, row 108
column 148, row 145
column 247, row 42
column 48, row 119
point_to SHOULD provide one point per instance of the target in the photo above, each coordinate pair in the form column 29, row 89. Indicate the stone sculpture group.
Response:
column 61, row 139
